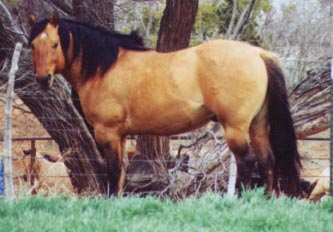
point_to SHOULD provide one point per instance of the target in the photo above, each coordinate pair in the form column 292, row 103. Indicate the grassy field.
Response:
column 211, row 212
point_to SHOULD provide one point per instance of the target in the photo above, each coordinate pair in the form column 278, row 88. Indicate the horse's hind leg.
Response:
column 238, row 142
column 259, row 134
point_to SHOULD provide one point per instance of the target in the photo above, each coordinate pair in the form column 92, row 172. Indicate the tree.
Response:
column 301, row 33
column 100, row 12
column 176, row 25
column 231, row 19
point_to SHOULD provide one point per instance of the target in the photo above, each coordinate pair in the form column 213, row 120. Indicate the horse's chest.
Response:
column 100, row 109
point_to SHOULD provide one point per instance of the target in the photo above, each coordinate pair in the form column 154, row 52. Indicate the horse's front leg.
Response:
column 112, row 144
column 114, row 167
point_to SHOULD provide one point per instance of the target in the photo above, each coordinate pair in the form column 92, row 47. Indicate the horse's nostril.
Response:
column 44, row 81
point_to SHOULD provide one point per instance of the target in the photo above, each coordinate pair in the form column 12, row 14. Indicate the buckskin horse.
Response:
column 125, row 88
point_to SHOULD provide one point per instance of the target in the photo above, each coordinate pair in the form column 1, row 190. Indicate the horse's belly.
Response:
column 169, row 120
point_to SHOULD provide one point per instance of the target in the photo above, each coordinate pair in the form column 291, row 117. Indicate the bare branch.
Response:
column 232, row 21
column 243, row 19
column 62, row 6
column 21, row 36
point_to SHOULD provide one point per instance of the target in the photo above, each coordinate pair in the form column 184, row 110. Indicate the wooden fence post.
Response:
column 32, row 162
column 9, row 186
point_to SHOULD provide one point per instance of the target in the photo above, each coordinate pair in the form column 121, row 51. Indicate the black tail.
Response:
column 282, row 133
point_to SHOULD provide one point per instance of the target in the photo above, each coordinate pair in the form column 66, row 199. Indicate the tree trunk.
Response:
column 6, row 41
column 176, row 25
column 78, row 9
column 175, row 32
column 310, row 101
column 104, row 13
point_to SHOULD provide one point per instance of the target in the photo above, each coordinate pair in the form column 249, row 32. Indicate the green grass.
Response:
column 211, row 212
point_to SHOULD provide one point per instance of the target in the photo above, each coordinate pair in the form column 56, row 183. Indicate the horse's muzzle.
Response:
column 45, row 81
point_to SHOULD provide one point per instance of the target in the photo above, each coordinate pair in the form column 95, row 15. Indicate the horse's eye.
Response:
column 55, row 45
column 32, row 47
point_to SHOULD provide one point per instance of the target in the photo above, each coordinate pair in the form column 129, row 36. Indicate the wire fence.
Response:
column 317, row 164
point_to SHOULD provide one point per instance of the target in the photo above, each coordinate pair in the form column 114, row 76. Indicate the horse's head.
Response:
column 47, row 55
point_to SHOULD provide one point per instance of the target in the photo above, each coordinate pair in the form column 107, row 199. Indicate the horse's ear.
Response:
column 54, row 20
column 32, row 20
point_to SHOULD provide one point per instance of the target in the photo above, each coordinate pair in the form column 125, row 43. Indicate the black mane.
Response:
column 99, row 46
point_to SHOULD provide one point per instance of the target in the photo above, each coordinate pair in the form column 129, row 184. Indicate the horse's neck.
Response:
column 74, row 75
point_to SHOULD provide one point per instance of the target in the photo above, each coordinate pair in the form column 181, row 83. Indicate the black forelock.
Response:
column 99, row 46
column 37, row 28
